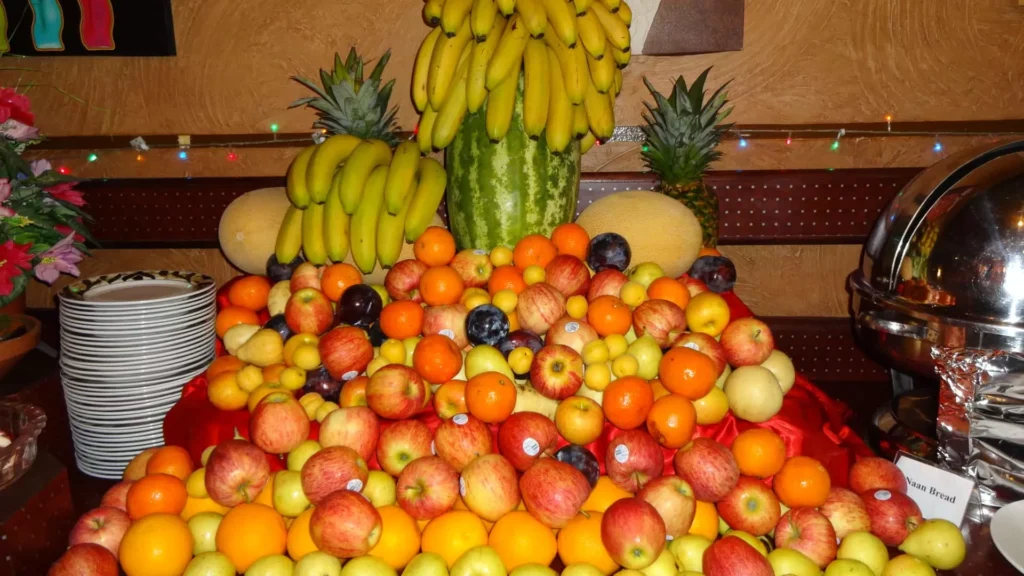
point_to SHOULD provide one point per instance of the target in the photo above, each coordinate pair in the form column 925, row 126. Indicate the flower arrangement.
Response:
column 42, row 225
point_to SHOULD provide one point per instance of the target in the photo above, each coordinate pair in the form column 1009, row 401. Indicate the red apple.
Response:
column 356, row 427
column 473, row 266
column 809, row 532
column 85, row 560
column 104, row 526
column 893, row 515
column 308, row 310
column 462, row 439
column 557, row 371
column 846, row 511
column 540, row 305
column 750, row 506
column 704, row 343
column 403, row 280
column 567, row 274
column 673, row 498
column 633, row 458
column 693, row 286
column 662, row 319
column 279, row 423
column 525, row 437
column 427, row 487
column 401, row 443
column 607, row 282
column 332, row 469
column 554, row 491
column 449, row 321
column 875, row 473
column 345, row 352
column 397, row 392
column 490, row 487
column 345, row 524
column 236, row 472
column 747, row 342
column 117, row 495
column 306, row 275
column 734, row 557
column 571, row 332
column 633, row 533
column 709, row 467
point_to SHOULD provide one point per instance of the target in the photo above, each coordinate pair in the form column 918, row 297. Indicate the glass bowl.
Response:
column 23, row 423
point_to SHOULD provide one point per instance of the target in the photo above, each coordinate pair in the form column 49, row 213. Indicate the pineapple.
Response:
column 683, row 132
column 348, row 104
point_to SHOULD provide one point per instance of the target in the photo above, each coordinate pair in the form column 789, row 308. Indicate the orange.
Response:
column 519, row 539
column 513, row 321
column 336, row 278
column 156, row 494
column 441, row 285
column 670, row 289
column 580, row 542
column 402, row 319
column 760, row 452
column 506, row 278
column 604, row 494
column 707, row 251
column 627, row 402
column 194, row 506
column 233, row 316
column 250, row 292
column 157, row 545
column 173, row 460
column 437, row 358
column 571, row 239
column 399, row 537
column 249, row 532
column 609, row 315
column 705, row 521
column 299, row 542
column 672, row 420
column 222, row 364
column 658, row 388
column 533, row 250
column 491, row 396
column 137, row 467
column 802, row 481
column 353, row 392
column 687, row 372
column 266, row 496
column 450, row 399
column 224, row 392
column 435, row 247
column 452, row 533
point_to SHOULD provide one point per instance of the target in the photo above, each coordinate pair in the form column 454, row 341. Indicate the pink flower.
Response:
column 62, row 257
column 14, row 260
column 65, row 191
column 15, row 106
column 40, row 166
column 66, row 230
column 17, row 131
column 5, row 190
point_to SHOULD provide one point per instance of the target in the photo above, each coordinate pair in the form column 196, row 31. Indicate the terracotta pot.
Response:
column 13, row 350
column 16, row 306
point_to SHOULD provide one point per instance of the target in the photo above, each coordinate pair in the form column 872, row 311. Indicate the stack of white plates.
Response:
column 129, row 343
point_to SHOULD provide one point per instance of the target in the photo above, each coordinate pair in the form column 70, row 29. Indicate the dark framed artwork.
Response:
column 87, row 27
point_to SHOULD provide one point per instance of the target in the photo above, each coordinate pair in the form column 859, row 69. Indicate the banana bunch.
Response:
column 350, row 194
column 571, row 55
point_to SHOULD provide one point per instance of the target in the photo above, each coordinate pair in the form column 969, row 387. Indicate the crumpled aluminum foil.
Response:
column 981, row 420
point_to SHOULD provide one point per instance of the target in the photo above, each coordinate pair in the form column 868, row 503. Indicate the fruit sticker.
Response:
column 531, row 447
column 460, row 419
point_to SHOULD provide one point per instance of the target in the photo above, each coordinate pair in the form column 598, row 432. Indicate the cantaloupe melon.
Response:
column 248, row 228
column 658, row 228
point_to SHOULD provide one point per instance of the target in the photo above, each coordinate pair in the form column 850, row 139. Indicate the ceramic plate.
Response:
column 138, row 287
column 204, row 299
column 1007, row 527
column 102, row 334
column 136, row 355
column 171, row 322
column 140, row 361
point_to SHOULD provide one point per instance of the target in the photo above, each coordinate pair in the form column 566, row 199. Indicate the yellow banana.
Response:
column 587, row 142
column 558, row 132
column 432, row 12
column 295, row 182
column 580, row 125
column 313, row 234
column 508, row 55
column 444, row 63
column 449, row 117
column 617, row 83
column 391, row 230
column 621, row 57
column 501, row 103
column 481, row 19
column 536, row 87
column 506, row 7
column 575, row 79
column 592, row 34
column 454, row 14
column 582, row 6
column 625, row 14
column 364, row 159
column 425, row 131
column 324, row 163
column 602, row 72
column 335, row 223
column 533, row 15
column 611, row 5
column 289, row 236
column 599, row 113
column 404, row 163
column 426, row 199
column 421, row 69
column 476, row 81
column 364, row 221
column 562, row 20
column 615, row 29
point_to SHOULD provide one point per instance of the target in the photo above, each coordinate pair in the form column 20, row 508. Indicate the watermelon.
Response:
column 499, row 192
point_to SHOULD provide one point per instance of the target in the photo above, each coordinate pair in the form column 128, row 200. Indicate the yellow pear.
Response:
column 264, row 348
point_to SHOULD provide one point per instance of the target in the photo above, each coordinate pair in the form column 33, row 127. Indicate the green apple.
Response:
column 688, row 550
column 723, row 527
column 426, row 564
column 864, row 547
column 631, row 335
column 648, row 356
column 723, row 377
column 204, row 531
column 938, row 542
column 384, row 296
column 298, row 456
column 273, row 565
column 367, row 566
column 581, row 570
column 645, row 273
column 533, row 570
column 907, row 565
column 380, row 489
column 318, row 564
column 848, row 568
column 787, row 561
column 210, row 564
column 289, row 498
column 484, row 358
column 479, row 561
column 664, row 565
column 749, row 539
